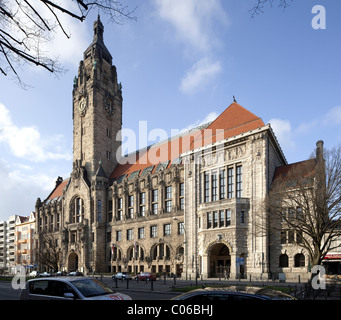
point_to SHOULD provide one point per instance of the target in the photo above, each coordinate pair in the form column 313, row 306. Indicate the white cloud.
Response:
column 283, row 132
column 194, row 22
column 27, row 143
column 333, row 116
column 210, row 117
column 200, row 74
column 16, row 184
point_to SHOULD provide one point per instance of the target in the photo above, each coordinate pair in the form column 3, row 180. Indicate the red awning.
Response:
column 332, row 256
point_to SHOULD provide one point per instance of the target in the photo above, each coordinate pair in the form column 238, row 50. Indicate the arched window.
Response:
column 77, row 210
column 283, row 261
column 299, row 260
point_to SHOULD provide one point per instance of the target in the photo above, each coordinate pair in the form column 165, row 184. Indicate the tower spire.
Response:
column 98, row 29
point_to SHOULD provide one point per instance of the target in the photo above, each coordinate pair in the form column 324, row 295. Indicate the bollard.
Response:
column 116, row 282
column 151, row 284
column 127, row 283
column 164, row 279
column 174, row 279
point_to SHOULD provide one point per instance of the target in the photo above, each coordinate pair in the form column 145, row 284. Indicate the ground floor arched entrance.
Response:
column 73, row 262
column 219, row 261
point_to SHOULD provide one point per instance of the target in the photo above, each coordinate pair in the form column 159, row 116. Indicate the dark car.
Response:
column 122, row 276
column 69, row 288
column 233, row 293
column 147, row 276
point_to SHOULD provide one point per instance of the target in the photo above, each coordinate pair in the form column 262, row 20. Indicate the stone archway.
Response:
column 73, row 262
column 219, row 260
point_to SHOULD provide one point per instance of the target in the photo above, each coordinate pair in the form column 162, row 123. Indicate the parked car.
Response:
column 146, row 276
column 34, row 274
column 69, row 288
column 45, row 274
column 122, row 276
column 75, row 274
column 60, row 273
column 233, row 293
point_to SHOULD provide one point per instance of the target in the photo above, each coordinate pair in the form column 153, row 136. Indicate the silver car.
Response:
column 61, row 288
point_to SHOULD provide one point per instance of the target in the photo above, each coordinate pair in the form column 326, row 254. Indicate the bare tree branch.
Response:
column 25, row 26
column 259, row 6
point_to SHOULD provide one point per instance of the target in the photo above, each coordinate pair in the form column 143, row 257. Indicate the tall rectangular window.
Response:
column 207, row 187
column 214, row 186
column 181, row 228
column 141, row 233
column 131, row 206
column 119, row 235
column 167, row 229
column 130, row 234
column 153, row 231
column 155, row 199
column 230, row 182
column 221, row 218
column 215, row 219
column 182, row 196
column 239, row 189
column 109, row 209
column 242, row 216
column 222, row 184
column 120, row 209
column 99, row 211
column 209, row 220
column 228, row 217
column 168, row 200
column 142, row 204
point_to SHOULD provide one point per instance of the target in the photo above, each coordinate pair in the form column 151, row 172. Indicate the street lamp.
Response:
column 185, row 243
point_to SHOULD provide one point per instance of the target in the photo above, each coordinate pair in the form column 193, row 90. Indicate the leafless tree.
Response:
column 260, row 4
column 25, row 25
column 49, row 253
column 305, row 200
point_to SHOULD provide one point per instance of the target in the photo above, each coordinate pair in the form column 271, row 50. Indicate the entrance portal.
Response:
column 73, row 262
column 219, row 261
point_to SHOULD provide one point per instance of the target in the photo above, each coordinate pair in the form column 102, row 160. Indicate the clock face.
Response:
column 82, row 106
column 109, row 107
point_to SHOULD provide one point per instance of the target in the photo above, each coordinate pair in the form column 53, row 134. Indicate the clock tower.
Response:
column 97, row 108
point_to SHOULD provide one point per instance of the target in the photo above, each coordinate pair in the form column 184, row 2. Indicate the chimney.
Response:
column 319, row 150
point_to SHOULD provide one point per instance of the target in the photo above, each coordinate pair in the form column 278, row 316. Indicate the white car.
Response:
column 34, row 274
column 69, row 288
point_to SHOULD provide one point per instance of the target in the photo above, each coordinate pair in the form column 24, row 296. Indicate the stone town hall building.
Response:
column 188, row 205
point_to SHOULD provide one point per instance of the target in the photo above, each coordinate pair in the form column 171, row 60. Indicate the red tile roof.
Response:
column 290, row 173
column 233, row 121
column 58, row 191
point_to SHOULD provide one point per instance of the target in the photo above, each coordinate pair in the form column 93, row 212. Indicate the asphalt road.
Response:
column 7, row 292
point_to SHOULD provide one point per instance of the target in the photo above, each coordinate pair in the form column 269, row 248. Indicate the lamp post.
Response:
column 185, row 243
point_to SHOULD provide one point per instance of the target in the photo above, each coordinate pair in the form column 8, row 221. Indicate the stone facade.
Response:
column 198, row 210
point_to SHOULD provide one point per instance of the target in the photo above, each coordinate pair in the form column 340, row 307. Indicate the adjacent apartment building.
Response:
column 7, row 244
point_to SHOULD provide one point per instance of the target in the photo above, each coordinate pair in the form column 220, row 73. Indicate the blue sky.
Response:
column 180, row 64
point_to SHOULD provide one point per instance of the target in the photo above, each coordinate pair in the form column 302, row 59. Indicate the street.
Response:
column 7, row 292
column 162, row 289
